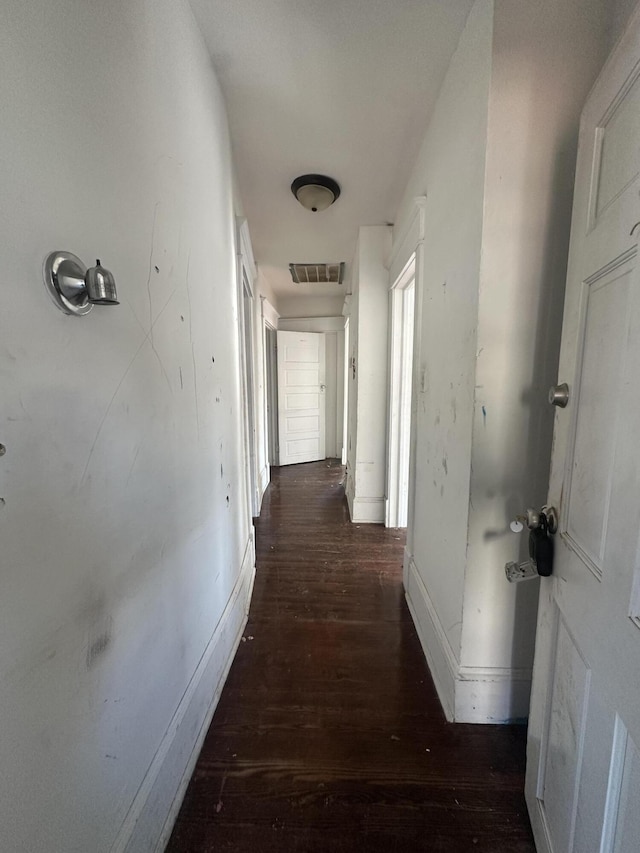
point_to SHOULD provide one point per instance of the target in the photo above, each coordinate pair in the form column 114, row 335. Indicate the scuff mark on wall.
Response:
column 133, row 464
column 193, row 354
column 107, row 410
column 100, row 636
column 151, row 250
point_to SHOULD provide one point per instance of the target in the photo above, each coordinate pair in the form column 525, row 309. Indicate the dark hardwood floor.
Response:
column 329, row 734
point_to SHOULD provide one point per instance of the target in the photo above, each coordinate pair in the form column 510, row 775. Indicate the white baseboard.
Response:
column 435, row 645
column 348, row 490
column 153, row 812
column 367, row 510
column 493, row 695
column 467, row 694
column 263, row 482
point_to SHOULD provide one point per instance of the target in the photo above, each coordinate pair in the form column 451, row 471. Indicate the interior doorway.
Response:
column 402, row 310
column 246, row 322
column 271, row 371
column 301, row 397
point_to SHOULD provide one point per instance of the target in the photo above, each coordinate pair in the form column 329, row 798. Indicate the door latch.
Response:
column 559, row 395
column 542, row 525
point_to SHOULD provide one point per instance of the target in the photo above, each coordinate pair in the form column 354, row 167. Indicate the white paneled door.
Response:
column 301, row 397
column 583, row 764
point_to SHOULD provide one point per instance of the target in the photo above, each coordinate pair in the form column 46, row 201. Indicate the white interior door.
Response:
column 301, row 397
column 583, row 763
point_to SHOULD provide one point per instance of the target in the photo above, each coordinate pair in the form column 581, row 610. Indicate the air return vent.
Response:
column 317, row 273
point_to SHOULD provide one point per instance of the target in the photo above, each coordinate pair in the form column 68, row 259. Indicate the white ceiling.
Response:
column 340, row 87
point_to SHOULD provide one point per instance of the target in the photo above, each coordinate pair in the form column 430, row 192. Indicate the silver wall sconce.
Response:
column 76, row 289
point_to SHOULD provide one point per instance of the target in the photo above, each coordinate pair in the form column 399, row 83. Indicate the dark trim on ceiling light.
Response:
column 316, row 180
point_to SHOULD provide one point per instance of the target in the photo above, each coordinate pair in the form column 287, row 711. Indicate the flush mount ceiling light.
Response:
column 315, row 192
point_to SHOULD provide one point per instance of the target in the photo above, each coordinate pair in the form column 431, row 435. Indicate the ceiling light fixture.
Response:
column 315, row 192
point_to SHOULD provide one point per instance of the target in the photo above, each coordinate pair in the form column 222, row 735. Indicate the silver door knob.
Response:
column 533, row 519
column 559, row 395
column 322, row 387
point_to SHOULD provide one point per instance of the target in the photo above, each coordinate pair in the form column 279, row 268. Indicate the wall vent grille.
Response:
column 317, row 273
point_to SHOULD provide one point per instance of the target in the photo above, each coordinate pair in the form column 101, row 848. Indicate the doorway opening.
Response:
column 246, row 322
column 271, row 371
column 402, row 310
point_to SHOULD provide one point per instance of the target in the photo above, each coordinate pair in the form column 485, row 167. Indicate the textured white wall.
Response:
column 123, row 516
column 450, row 173
column 369, row 309
column 497, row 169
column 546, row 56
column 621, row 13
column 310, row 306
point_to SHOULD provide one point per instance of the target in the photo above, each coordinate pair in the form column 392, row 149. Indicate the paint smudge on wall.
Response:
column 99, row 640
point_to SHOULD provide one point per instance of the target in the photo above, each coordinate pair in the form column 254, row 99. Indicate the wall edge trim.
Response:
column 468, row 694
column 143, row 802
column 368, row 510
column 441, row 660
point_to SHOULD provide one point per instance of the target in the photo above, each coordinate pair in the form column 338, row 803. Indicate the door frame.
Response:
column 407, row 244
column 331, row 327
column 269, row 331
column 402, row 322
column 246, row 275
column 301, row 366
column 345, row 386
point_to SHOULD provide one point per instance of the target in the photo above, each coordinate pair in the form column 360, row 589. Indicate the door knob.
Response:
column 322, row 387
column 559, row 395
column 546, row 517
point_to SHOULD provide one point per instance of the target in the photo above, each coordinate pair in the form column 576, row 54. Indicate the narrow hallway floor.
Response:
column 329, row 735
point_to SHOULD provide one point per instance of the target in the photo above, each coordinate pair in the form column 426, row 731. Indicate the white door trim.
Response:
column 410, row 241
column 246, row 276
column 400, row 386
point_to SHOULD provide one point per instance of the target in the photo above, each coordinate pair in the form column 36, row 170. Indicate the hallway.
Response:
column 329, row 735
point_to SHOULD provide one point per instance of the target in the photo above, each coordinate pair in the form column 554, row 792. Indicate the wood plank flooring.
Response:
column 329, row 734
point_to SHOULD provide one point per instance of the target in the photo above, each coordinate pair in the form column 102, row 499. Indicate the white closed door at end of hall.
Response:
column 301, row 397
column 583, row 757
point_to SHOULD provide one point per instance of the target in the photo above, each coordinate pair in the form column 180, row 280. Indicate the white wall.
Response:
column 265, row 288
column 621, row 13
column 545, row 58
column 310, row 306
column 450, row 173
column 497, row 170
column 126, row 542
column 368, row 321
